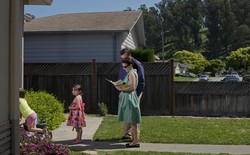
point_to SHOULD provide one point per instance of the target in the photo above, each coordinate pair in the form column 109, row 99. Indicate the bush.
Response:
column 102, row 109
column 34, row 143
column 143, row 55
column 47, row 107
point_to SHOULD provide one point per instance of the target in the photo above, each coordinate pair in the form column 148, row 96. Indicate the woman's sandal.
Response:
column 132, row 145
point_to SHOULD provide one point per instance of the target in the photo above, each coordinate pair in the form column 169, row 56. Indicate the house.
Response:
column 11, row 30
column 81, row 37
column 180, row 68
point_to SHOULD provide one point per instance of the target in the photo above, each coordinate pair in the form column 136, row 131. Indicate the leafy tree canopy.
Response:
column 239, row 59
column 196, row 59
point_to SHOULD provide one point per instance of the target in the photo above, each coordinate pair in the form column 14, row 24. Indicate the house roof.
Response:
column 180, row 65
column 95, row 21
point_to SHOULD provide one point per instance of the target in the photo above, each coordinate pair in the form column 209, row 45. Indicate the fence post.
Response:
column 171, row 86
column 94, row 86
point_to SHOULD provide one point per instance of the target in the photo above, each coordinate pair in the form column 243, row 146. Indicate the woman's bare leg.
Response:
column 33, row 128
column 135, row 134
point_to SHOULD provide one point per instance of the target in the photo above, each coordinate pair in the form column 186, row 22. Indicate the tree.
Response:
column 215, row 66
column 194, row 15
column 242, row 37
column 228, row 26
column 212, row 22
column 196, row 59
column 239, row 59
column 241, row 9
column 152, row 26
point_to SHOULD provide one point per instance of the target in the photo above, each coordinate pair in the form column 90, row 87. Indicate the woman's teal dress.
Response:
column 129, row 108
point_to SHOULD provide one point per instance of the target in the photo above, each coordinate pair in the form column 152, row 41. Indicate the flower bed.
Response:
column 34, row 143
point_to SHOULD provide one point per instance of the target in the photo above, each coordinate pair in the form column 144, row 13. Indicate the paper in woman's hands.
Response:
column 118, row 83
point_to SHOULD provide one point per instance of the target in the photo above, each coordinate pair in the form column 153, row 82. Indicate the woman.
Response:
column 129, row 108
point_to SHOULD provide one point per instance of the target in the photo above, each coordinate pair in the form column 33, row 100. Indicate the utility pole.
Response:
column 162, row 40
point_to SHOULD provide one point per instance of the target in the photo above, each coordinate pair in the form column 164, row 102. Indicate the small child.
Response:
column 29, row 114
column 76, row 116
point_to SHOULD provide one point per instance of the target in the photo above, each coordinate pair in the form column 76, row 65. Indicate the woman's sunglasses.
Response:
column 125, row 66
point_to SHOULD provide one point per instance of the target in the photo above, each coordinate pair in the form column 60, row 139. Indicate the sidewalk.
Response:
column 64, row 135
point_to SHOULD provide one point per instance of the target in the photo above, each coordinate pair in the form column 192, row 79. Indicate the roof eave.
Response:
column 38, row 2
column 73, row 31
column 140, row 23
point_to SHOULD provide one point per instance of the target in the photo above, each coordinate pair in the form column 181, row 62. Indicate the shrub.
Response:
column 47, row 107
column 102, row 109
column 143, row 55
column 34, row 143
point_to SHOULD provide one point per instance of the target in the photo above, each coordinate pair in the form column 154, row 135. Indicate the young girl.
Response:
column 29, row 114
column 76, row 117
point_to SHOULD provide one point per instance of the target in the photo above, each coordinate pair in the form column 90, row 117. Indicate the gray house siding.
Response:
column 69, row 47
column 130, row 40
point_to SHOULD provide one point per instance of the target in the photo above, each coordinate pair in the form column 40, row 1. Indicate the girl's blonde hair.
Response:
column 78, row 88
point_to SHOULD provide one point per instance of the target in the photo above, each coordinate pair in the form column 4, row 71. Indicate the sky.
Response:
column 80, row 6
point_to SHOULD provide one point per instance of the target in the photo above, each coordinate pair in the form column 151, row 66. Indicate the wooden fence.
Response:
column 58, row 79
column 212, row 98
column 161, row 96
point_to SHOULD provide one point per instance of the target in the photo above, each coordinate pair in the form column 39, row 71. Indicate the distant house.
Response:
column 81, row 37
column 180, row 68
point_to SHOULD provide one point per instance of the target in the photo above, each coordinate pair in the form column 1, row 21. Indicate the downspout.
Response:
column 114, row 35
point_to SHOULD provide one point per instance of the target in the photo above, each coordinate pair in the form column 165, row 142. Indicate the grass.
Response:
column 181, row 130
column 181, row 78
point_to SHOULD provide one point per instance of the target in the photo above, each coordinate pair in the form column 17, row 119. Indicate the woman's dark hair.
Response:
column 78, row 88
column 127, row 61
column 21, row 93
column 125, row 50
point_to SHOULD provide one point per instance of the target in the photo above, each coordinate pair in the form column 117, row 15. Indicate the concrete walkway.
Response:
column 64, row 135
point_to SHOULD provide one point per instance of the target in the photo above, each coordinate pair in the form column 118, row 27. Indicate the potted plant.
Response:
column 41, row 122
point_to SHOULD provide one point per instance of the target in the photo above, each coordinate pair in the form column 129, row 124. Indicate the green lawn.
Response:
column 181, row 78
column 182, row 130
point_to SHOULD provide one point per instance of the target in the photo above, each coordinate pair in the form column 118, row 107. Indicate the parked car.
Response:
column 188, row 74
column 235, row 74
column 246, row 78
column 203, row 78
column 231, row 78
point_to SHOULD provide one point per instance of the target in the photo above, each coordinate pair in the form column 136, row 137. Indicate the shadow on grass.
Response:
column 88, row 144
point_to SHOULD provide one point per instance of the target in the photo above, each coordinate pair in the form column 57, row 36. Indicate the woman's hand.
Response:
column 118, row 87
